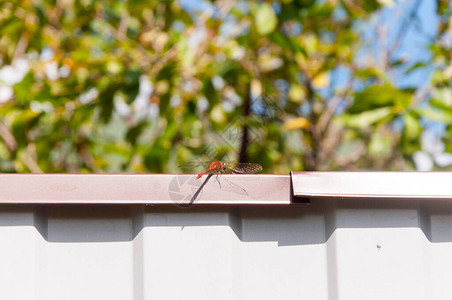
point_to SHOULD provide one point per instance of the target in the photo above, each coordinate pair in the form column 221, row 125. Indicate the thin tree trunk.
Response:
column 245, row 139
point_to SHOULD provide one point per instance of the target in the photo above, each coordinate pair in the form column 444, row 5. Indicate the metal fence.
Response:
column 128, row 237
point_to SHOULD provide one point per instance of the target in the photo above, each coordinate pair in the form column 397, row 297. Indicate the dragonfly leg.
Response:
column 218, row 180
column 235, row 188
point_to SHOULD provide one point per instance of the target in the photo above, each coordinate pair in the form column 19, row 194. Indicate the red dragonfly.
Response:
column 218, row 167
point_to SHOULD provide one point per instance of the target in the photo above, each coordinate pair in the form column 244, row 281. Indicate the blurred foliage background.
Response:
column 144, row 86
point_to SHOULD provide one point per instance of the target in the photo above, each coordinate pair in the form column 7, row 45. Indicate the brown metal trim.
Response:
column 155, row 189
column 389, row 185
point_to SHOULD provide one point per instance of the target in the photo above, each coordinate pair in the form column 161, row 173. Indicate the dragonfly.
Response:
column 217, row 168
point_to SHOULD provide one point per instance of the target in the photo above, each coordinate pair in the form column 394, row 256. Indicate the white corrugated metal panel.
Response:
column 333, row 249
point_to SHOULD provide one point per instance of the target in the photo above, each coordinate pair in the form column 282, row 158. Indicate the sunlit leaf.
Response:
column 297, row 93
column 265, row 19
column 379, row 96
column 436, row 115
column 296, row 123
column 412, row 127
column 368, row 117
column 411, row 134
column 321, row 81
column 371, row 73
column 380, row 144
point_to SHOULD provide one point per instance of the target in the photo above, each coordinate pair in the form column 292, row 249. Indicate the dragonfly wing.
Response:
column 246, row 168
column 196, row 166
column 228, row 185
column 238, row 168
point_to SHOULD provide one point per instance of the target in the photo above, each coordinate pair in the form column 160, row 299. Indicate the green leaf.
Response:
column 368, row 118
column 380, row 144
column 398, row 62
column 320, row 11
column 440, row 105
column 370, row 5
column 134, row 132
column 415, row 67
column 448, row 147
column 373, row 97
column 371, row 73
column 22, row 123
column 265, row 19
column 435, row 114
column 23, row 90
column 410, row 141
column 304, row 3
column 412, row 128
column 380, row 96
column 442, row 98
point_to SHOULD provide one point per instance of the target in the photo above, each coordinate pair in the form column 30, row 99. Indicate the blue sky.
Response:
column 419, row 36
